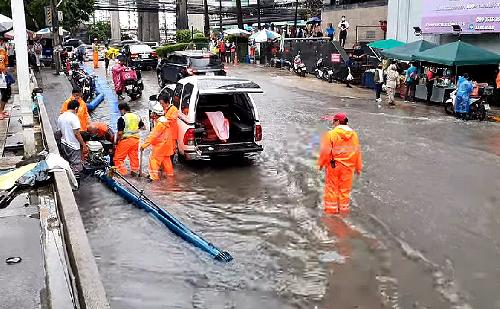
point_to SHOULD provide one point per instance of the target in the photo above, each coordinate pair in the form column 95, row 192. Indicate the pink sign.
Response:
column 336, row 58
column 473, row 16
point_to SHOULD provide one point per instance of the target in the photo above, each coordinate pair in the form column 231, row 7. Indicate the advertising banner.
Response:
column 473, row 16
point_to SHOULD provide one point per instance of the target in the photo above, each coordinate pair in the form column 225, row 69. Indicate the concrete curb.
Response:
column 89, row 288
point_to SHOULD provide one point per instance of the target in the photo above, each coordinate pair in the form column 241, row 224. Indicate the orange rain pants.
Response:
column 128, row 147
column 95, row 58
column 162, row 149
column 340, row 145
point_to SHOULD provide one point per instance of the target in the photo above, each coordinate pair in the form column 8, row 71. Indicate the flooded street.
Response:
column 422, row 233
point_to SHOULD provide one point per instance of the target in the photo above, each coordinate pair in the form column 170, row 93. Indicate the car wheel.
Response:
column 481, row 112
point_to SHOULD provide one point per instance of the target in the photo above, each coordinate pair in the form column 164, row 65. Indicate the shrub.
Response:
column 163, row 51
column 184, row 36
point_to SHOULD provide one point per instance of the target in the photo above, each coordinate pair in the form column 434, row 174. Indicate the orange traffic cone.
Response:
column 235, row 59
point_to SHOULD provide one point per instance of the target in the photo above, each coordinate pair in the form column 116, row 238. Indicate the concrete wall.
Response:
column 197, row 21
column 357, row 16
column 148, row 27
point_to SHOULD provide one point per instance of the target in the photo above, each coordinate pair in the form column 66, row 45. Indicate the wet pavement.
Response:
column 423, row 231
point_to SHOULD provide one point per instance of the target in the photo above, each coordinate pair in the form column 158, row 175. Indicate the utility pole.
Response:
column 207, row 20
column 56, row 42
column 296, row 16
column 220, row 17
column 239, row 14
column 258, row 14
column 20, row 40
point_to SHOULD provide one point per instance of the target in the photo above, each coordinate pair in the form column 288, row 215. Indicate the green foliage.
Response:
column 184, row 36
column 75, row 12
column 100, row 31
column 200, row 38
column 163, row 51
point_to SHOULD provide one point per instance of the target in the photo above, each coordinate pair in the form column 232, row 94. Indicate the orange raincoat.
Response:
column 162, row 149
column 172, row 113
column 340, row 145
column 82, row 112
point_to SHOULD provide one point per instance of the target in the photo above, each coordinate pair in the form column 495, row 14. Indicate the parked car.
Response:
column 89, row 54
column 153, row 45
column 140, row 55
column 70, row 50
column 182, row 64
column 73, row 42
column 205, row 101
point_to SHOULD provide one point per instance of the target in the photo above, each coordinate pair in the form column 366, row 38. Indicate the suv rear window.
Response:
column 207, row 61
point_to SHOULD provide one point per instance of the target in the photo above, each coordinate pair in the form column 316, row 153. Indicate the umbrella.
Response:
column 407, row 52
column 386, row 44
column 264, row 36
column 47, row 32
column 457, row 54
column 237, row 32
column 10, row 34
column 314, row 20
column 5, row 23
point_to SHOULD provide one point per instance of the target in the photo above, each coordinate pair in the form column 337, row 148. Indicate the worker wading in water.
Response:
column 162, row 145
column 340, row 156
column 95, row 54
column 127, row 140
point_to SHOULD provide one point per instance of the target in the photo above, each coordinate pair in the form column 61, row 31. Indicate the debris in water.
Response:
column 13, row 260
column 332, row 256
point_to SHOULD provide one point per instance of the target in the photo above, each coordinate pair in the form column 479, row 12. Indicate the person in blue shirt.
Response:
column 330, row 31
column 411, row 82
column 462, row 100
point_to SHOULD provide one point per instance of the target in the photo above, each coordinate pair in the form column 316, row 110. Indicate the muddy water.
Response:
column 266, row 212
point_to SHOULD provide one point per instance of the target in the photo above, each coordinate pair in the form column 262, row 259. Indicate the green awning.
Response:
column 386, row 44
column 458, row 54
column 408, row 51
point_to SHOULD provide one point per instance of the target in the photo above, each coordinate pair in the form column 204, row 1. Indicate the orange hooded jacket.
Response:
column 160, row 140
column 82, row 112
column 342, row 145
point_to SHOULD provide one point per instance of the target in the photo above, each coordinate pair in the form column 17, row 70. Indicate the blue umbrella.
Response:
column 314, row 20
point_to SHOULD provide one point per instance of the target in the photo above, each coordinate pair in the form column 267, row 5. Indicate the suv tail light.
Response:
column 189, row 137
column 154, row 55
column 190, row 71
column 135, row 55
column 258, row 133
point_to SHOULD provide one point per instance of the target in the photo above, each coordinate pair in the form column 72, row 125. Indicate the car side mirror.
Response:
column 153, row 98
column 37, row 90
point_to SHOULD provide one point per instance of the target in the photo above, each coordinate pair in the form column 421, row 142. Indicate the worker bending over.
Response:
column 340, row 156
column 127, row 140
column 162, row 145
column 82, row 111
column 100, row 131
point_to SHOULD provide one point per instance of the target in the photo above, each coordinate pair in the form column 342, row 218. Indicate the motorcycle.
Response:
column 323, row 72
column 128, row 79
column 299, row 67
column 477, row 106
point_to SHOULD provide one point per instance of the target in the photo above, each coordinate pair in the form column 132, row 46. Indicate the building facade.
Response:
column 364, row 17
column 479, row 21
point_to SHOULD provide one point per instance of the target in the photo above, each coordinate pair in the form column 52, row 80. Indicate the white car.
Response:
column 196, row 96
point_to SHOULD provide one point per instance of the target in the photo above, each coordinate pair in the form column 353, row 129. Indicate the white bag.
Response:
column 349, row 76
column 3, row 82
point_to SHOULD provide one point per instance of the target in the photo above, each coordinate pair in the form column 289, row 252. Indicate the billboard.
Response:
column 473, row 16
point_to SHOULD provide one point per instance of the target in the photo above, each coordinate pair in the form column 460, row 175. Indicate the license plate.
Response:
column 210, row 73
column 330, row 72
column 145, row 56
column 129, row 87
column 487, row 107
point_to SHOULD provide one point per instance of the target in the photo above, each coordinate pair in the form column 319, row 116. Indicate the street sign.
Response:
column 336, row 58
column 48, row 16
column 60, row 16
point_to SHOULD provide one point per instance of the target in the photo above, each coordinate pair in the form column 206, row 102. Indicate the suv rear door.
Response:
column 183, row 99
column 206, row 65
column 172, row 68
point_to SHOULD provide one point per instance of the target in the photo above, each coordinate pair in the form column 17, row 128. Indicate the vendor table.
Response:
column 421, row 92
column 440, row 94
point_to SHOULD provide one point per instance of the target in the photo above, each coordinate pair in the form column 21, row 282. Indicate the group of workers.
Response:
column 75, row 127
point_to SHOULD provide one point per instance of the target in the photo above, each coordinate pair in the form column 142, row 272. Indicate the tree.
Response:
column 100, row 31
column 313, row 7
column 75, row 12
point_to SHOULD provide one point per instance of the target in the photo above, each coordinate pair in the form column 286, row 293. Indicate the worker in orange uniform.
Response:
column 95, row 54
column 127, row 140
column 340, row 156
column 101, row 131
column 172, row 114
column 162, row 145
column 82, row 112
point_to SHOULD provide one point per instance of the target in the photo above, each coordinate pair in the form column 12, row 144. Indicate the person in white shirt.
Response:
column 38, row 48
column 343, row 26
column 73, row 148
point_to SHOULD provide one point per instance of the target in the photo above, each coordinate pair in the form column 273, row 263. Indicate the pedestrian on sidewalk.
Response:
column 378, row 78
column 82, row 113
column 340, row 157
column 106, row 59
column 392, row 83
column 95, row 54
column 73, row 148
column 6, row 81
column 38, row 48
column 411, row 82
column 127, row 140
column 162, row 145
column 11, row 52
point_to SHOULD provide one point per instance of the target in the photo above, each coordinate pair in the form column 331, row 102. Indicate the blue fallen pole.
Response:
column 177, row 227
column 95, row 102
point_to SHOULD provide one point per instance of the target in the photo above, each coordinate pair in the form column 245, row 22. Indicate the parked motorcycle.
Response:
column 323, row 72
column 128, row 79
column 477, row 106
column 299, row 67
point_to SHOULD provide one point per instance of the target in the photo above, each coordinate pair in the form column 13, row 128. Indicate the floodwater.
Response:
column 423, row 231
